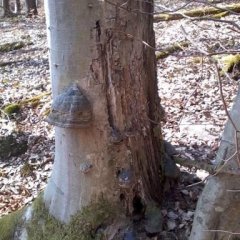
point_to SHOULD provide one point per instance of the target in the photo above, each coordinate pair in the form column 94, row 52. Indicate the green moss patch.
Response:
column 12, row 108
column 229, row 62
column 9, row 224
column 88, row 224
column 26, row 170
column 178, row 46
column 7, row 47
column 15, row 107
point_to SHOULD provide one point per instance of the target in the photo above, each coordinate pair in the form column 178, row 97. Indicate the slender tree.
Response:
column 6, row 8
column 31, row 7
column 218, row 209
column 17, row 6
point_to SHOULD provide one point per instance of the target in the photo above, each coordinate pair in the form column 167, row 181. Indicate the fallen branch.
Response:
column 199, row 12
column 211, row 169
column 7, row 47
column 15, row 107
column 3, row 64
column 179, row 46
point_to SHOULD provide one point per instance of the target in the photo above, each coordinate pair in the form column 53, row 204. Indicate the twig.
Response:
column 216, row 20
column 217, row 7
column 225, row 163
column 233, row 190
column 222, row 97
column 222, row 231
column 195, row 184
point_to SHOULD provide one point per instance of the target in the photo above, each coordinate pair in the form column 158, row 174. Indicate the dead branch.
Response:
column 211, row 169
column 199, row 12
column 179, row 46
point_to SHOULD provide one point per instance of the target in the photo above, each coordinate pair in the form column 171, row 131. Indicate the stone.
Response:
column 154, row 220
column 11, row 146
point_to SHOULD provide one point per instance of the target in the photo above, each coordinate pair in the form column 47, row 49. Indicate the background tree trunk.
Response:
column 31, row 7
column 99, row 47
column 218, row 208
column 18, row 7
column 6, row 8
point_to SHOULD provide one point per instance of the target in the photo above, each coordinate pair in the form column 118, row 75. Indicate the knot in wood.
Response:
column 116, row 137
column 125, row 178
column 85, row 167
column 71, row 109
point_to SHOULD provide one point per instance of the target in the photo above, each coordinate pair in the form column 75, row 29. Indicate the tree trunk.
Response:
column 17, row 7
column 31, row 7
column 218, row 207
column 100, row 48
column 6, row 8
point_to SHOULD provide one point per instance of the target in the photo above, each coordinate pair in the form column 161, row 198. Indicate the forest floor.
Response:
column 189, row 92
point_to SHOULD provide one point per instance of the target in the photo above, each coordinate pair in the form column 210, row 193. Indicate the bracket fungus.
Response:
column 70, row 109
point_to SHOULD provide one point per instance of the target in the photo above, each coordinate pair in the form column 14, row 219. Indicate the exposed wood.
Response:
column 199, row 12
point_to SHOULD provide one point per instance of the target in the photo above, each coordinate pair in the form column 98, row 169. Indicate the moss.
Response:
column 220, row 15
column 9, row 223
column 12, row 108
column 31, row 102
column 198, row 12
column 229, row 62
column 26, row 170
column 83, row 226
column 178, row 46
column 7, row 47
column 197, row 60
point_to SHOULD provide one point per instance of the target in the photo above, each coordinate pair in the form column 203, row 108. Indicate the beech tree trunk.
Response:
column 218, row 209
column 31, row 7
column 6, row 8
column 17, row 7
column 101, row 48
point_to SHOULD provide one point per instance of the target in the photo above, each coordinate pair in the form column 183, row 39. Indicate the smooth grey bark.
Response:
column 218, row 208
column 96, row 46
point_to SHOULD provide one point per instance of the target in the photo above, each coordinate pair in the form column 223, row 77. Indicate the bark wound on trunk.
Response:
column 132, row 101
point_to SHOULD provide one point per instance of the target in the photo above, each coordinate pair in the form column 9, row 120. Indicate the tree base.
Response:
column 100, row 220
column 218, row 210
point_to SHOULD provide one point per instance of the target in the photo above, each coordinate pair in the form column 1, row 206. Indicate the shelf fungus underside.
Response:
column 70, row 109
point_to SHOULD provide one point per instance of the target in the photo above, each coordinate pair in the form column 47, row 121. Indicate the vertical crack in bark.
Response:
column 98, row 31
column 108, row 76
